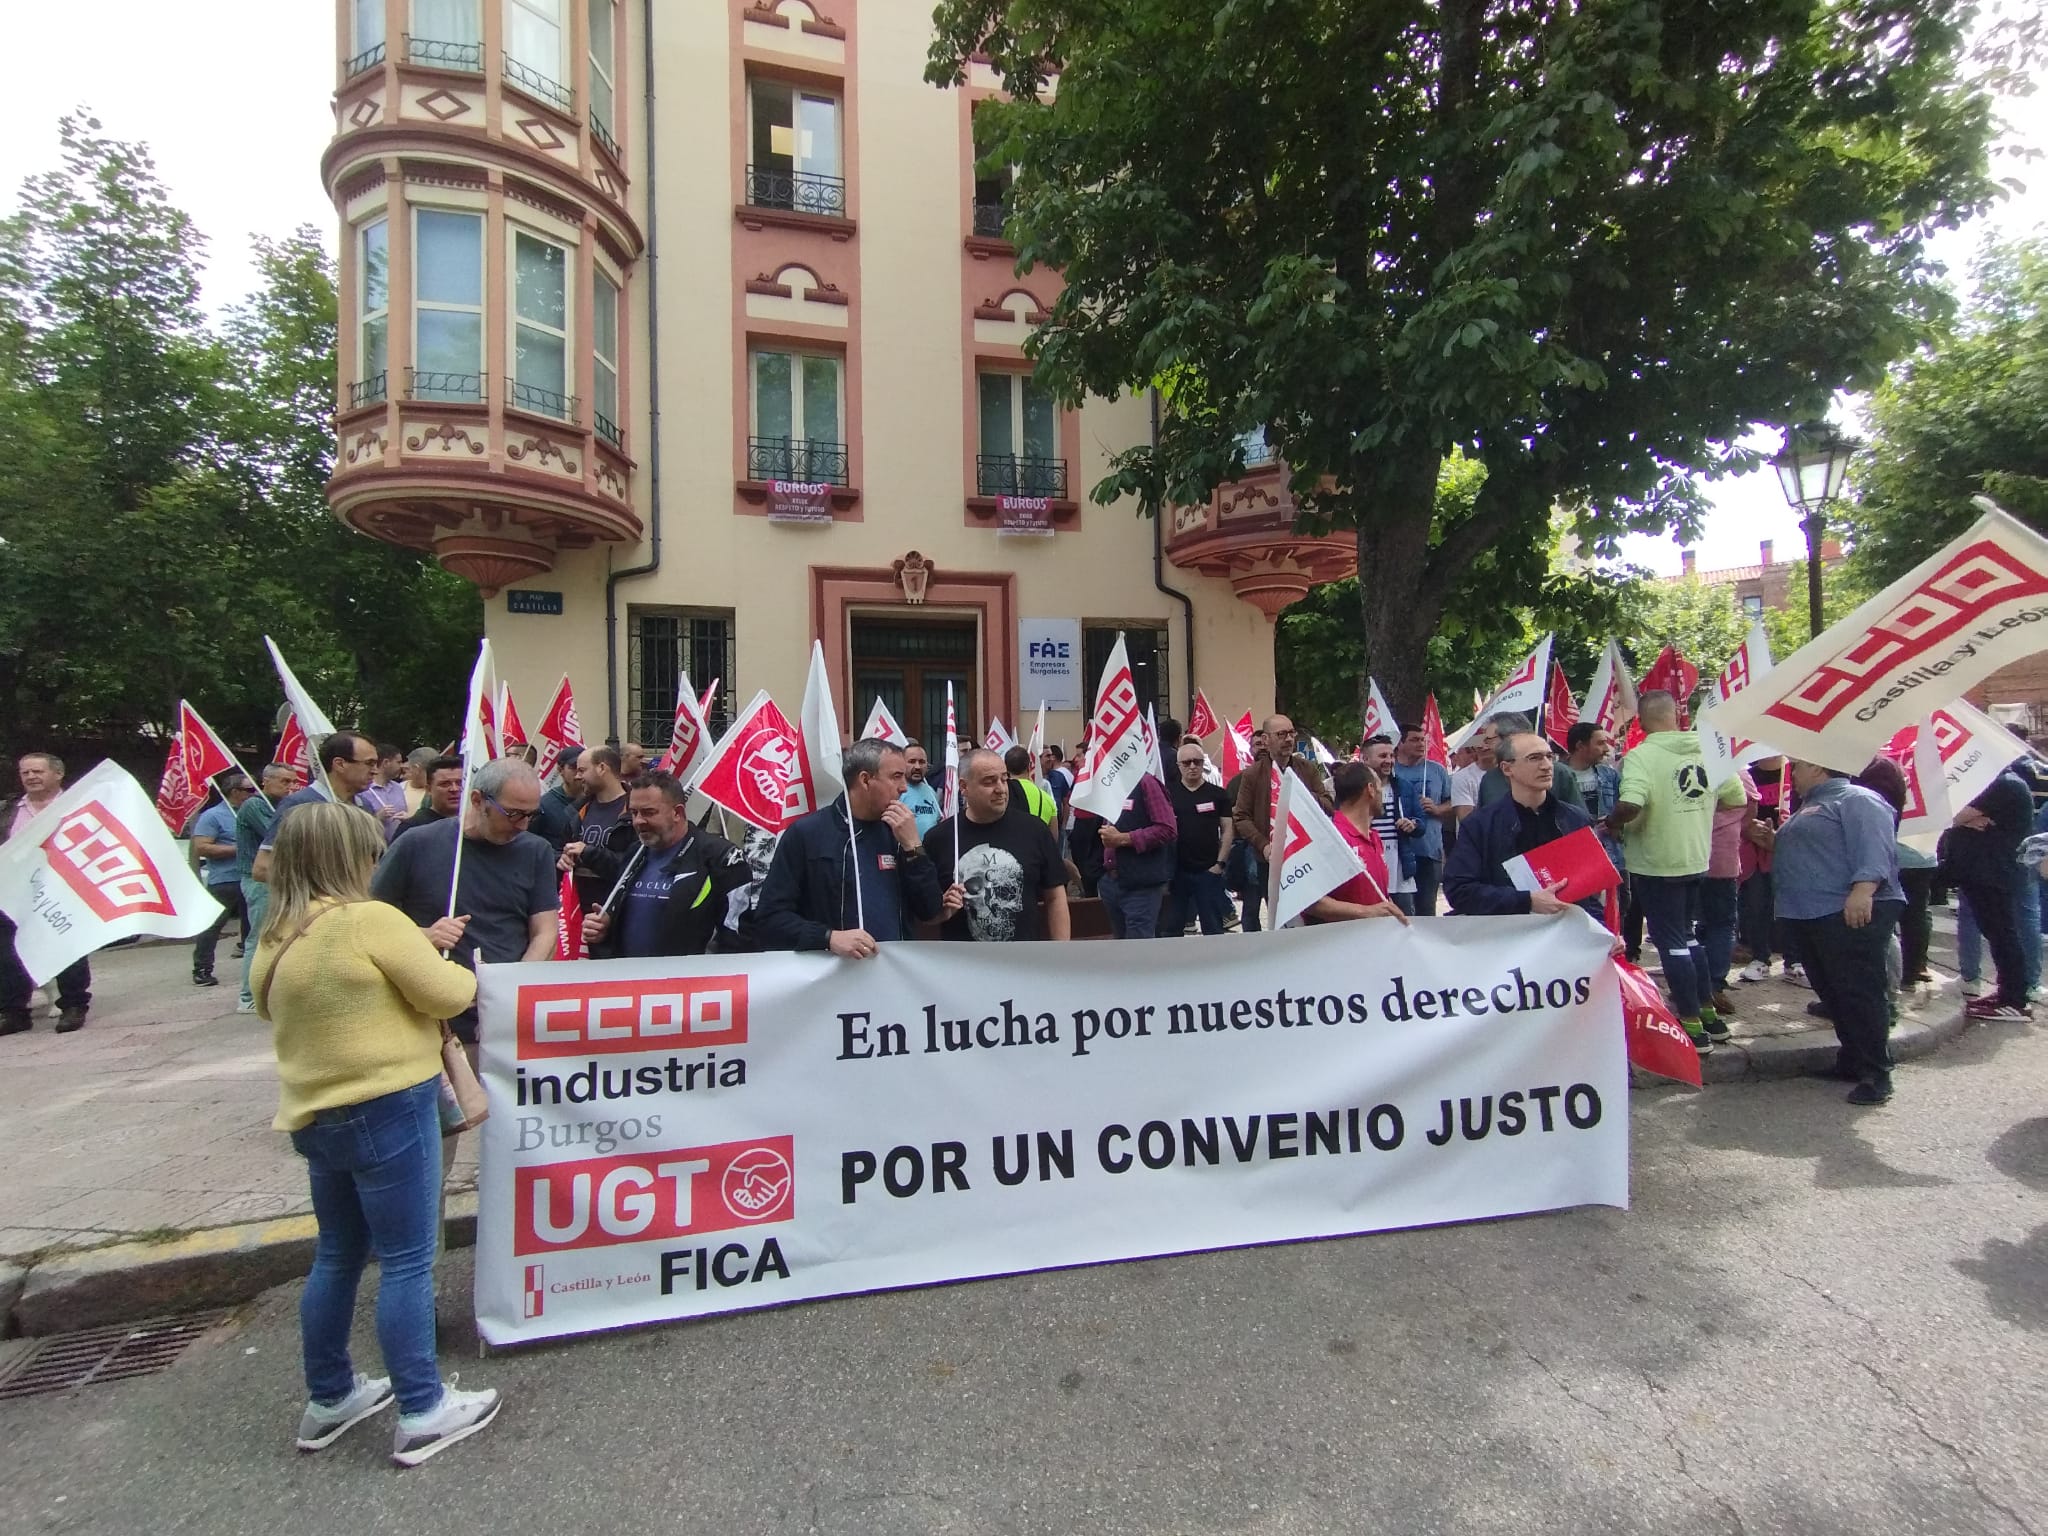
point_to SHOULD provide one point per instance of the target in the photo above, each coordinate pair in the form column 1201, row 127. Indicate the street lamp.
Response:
column 1811, row 467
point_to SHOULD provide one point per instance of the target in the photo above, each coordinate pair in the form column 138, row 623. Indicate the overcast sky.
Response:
column 236, row 111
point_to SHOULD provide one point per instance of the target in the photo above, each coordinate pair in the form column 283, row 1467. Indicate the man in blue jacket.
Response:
column 1527, row 817
column 808, row 902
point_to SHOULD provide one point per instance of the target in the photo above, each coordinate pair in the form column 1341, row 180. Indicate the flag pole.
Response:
column 254, row 783
column 860, row 912
column 461, row 831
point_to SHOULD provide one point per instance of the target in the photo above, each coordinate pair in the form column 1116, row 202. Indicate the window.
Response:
column 368, row 33
column 1752, row 605
column 1019, row 438
column 602, row 59
column 799, row 431
column 373, row 310
column 795, row 150
column 604, row 324
column 1256, row 451
column 447, row 34
column 533, row 50
column 1144, row 644
column 992, row 200
column 540, row 326
column 448, row 308
column 662, row 643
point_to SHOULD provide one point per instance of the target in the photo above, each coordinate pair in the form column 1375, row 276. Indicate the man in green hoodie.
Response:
column 1664, row 813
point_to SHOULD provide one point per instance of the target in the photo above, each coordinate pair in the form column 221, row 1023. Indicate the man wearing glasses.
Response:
column 1527, row 817
column 505, row 906
column 349, row 763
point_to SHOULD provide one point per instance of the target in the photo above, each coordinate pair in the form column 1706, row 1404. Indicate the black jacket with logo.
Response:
column 707, row 870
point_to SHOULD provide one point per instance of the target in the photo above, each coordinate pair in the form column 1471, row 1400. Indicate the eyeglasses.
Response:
column 1537, row 757
column 517, row 818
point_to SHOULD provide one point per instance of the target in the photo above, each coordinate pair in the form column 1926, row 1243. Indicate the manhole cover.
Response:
column 65, row 1361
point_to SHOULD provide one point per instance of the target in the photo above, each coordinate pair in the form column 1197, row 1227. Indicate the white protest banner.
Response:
column 314, row 726
column 1721, row 753
column 882, row 726
column 95, row 865
column 1116, row 741
column 1955, row 618
column 1956, row 753
column 674, row 1138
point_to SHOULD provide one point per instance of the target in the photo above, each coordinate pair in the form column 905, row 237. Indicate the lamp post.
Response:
column 1811, row 467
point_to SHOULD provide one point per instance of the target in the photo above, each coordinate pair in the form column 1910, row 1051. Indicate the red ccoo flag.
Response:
column 1436, row 747
column 1657, row 1042
column 205, row 754
column 1677, row 677
column 569, row 921
column 1203, row 721
column 753, row 770
column 560, row 730
column 176, row 800
column 293, row 751
column 510, row 731
column 1560, row 710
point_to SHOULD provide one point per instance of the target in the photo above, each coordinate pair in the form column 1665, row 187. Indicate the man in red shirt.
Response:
column 1357, row 792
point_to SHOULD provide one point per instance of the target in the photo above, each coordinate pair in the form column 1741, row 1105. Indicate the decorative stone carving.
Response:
column 442, row 439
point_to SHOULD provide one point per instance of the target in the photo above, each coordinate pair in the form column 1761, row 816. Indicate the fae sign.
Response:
column 1049, row 664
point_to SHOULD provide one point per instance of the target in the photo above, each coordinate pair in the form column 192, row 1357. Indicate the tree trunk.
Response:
column 1400, row 606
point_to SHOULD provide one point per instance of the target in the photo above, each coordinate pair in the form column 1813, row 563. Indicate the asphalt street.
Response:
column 1813, row 1320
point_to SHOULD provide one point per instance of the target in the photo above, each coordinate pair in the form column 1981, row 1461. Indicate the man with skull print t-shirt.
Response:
column 1008, row 878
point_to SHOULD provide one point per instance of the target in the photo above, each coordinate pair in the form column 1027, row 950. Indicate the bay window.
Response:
column 448, row 305
column 604, row 346
column 540, row 326
column 799, row 423
column 603, row 56
column 367, row 36
column 534, row 51
column 373, row 309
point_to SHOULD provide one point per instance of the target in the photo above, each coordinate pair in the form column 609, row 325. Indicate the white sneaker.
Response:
column 1973, row 987
column 1796, row 974
column 320, row 1426
column 246, row 1007
column 456, row 1417
column 1756, row 970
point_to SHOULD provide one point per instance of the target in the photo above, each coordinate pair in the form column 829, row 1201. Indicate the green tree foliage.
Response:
column 1967, row 415
column 1587, row 245
column 161, row 497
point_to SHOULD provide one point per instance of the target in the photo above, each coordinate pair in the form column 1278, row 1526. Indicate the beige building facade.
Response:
column 686, row 331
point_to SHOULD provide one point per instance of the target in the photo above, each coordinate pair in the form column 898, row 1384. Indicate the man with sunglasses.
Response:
column 505, row 906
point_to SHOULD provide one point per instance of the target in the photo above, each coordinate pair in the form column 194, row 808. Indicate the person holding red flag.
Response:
column 1476, row 879
column 213, row 839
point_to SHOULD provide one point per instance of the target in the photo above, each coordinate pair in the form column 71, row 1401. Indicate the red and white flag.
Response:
column 1314, row 858
column 1724, row 754
column 689, row 738
column 205, row 753
column 1560, row 710
column 1150, row 729
column 1237, row 747
column 820, row 777
column 1379, row 714
column 569, row 921
column 310, row 717
column 511, row 732
column 176, row 801
column 1524, row 688
column 882, row 726
column 479, row 726
column 1955, row 754
column 949, row 791
column 752, row 771
column 1611, row 699
column 93, row 866
column 1203, row 721
column 1676, row 676
column 1954, row 619
column 1036, row 746
column 704, row 699
column 1116, row 741
column 998, row 738
column 293, row 751
column 560, row 731
column 1435, row 748
column 1657, row 1042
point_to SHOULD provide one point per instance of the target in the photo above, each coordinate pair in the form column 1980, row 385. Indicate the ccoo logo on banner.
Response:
column 676, row 1138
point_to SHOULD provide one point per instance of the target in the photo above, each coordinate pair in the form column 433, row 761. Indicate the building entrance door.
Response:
column 907, row 663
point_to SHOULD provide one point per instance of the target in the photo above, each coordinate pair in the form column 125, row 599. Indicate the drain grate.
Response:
column 64, row 1362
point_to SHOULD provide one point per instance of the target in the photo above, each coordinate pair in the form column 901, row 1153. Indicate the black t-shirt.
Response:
column 1006, row 866
column 1199, row 814
column 599, row 816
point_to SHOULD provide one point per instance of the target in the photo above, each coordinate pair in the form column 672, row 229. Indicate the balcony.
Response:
column 797, row 192
column 1245, row 533
column 437, row 53
column 607, row 428
column 988, row 220
column 363, row 62
column 457, row 388
column 603, row 135
column 807, row 462
column 1005, row 474
column 537, row 85
column 543, row 402
column 370, row 391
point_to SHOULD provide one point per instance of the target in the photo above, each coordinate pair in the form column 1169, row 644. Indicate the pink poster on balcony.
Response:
column 799, row 501
column 1026, row 516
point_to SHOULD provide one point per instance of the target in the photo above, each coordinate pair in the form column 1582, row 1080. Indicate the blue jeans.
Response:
column 1198, row 894
column 1671, row 907
column 1716, row 929
column 1134, row 913
column 2028, row 916
column 376, row 1175
column 1246, row 875
column 1429, row 879
column 256, row 906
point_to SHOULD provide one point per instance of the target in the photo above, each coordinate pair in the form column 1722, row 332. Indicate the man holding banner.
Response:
column 1476, row 879
column 42, row 780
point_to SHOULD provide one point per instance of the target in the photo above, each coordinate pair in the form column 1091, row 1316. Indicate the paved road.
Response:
column 1815, row 1320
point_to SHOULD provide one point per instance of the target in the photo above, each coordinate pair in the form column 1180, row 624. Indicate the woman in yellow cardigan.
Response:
column 355, row 995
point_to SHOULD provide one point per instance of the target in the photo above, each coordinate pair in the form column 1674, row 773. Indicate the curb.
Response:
column 212, row 1267
column 1776, row 1056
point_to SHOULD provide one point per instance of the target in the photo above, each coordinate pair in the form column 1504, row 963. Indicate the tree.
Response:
column 1966, row 415
column 1587, row 245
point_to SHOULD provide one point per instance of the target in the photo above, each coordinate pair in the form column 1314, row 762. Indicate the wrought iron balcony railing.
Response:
column 439, row 54
column 988, row 220
column 794, row 458
column 798, row 191
column 368, row 392
column 603, row 135
column 539, row 86
column 1006, row 474
column 606, row 428
column 544, row 402
column 429, row 384
column 363, row 62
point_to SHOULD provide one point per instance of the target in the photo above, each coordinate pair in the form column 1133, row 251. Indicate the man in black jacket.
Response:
column 1530, row 815
column 808, row 902
column 1982, row 858
column 666, row 882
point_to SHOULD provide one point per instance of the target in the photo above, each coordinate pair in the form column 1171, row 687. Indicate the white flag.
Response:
column 1314, row 857
column 1153, row 764
column 1525, row 686
column 1323, row 754
column 949, row 792
column 313, row 721
column 1957, row 752
column 1950, row 622
column 95, row 865
column 882, row 726
column 689, row 738
column 818, row 725
column 1724, row 754
column 1611, row 699
column 1037, row 746
column 998, row 738
column 1116, row 741
column 478, row 745
column 1379, row 714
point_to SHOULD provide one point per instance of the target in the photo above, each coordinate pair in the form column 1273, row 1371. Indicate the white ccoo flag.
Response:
column 882, row 726
column 1314, row 858
column 818, row 730
column 1116, row 741
column 1724, row 754
column 95, row 865
column 1610, row 701
column 313, row 721
column 1379, row 714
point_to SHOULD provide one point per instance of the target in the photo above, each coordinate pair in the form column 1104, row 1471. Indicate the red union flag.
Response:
column 204, row 753
column 1237, row 747
column 293, row 751
column 569, row 921
column 1202, row 720
column 753, row 771
column 1657, row 1042
column 1944, row 626
column 510, row 731
column 560, row 730
column 1560, row 712
column 1677, row 677
column 93, row 866
column 1434, row 747
column 176, row 801
column 1116, row 746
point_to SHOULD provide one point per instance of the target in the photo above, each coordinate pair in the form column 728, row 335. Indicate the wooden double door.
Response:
column 907, row 664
